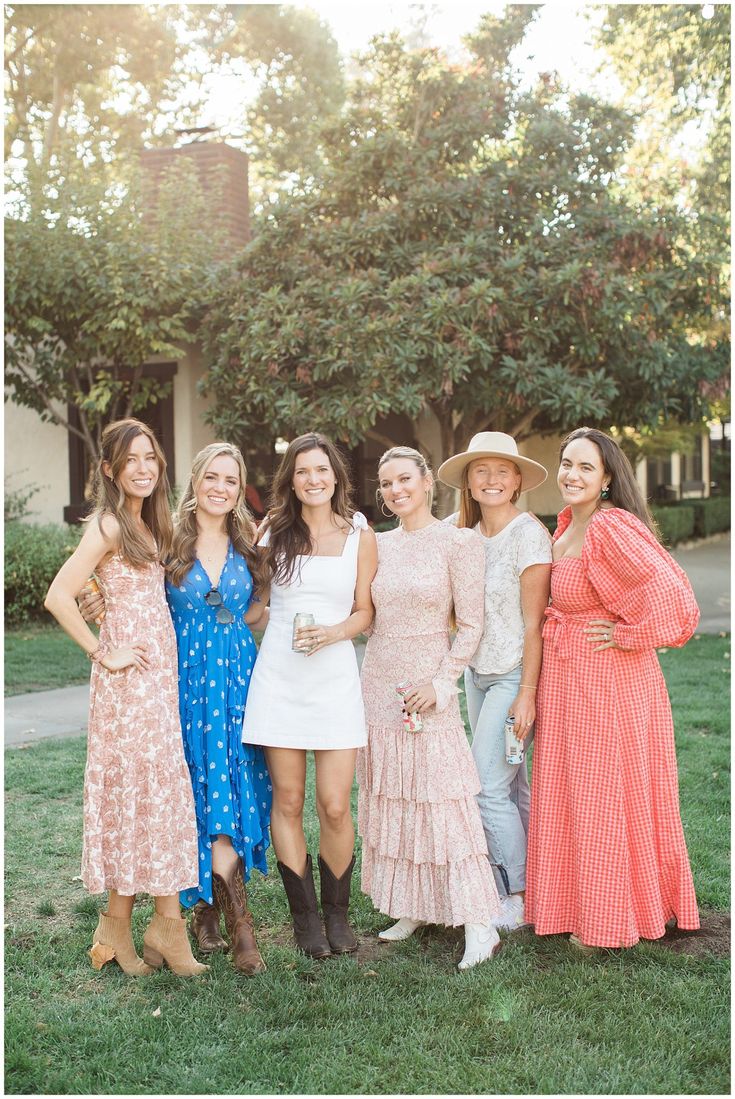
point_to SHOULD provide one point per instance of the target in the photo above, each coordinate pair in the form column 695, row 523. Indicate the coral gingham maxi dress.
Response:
column 424, row 853
column 607, row 859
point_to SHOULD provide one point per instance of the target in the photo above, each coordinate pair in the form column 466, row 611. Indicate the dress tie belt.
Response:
column 557, row 624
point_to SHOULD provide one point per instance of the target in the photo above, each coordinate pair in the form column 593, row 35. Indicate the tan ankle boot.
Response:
column 165, row 940
column 115, row 934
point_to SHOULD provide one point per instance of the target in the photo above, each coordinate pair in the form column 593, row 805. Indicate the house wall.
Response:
column 191, row 433
column 37, row 453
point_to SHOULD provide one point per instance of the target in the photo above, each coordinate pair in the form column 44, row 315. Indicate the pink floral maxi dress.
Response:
column 139, row 825
column 607, row 859
column 424, row 853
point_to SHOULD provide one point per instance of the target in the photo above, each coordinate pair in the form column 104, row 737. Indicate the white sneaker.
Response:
column 401, row 930
column 510, row 917
column 480, row 943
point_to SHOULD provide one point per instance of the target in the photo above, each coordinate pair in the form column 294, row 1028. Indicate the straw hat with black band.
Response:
column 492, row 444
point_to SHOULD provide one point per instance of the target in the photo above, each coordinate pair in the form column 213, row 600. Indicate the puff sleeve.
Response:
column 639, row 582
column 466, row 564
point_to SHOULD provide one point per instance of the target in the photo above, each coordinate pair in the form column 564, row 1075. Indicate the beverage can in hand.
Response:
column 412, row 723
column 514, row 751
column 301, row 620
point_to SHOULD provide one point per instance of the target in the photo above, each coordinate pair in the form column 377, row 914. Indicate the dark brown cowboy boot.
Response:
column 335, row 901
column 307, row 927
column 204, row 927
column 230, row 896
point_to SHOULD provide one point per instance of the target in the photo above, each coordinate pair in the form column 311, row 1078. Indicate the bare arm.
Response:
column 317, row 637
column 535, row 581
column 61, row 598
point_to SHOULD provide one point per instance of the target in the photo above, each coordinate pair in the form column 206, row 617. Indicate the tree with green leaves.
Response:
column 94, row 293
column 467, row 251
column 673, row 61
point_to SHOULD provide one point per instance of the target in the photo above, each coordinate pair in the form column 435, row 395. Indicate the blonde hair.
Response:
column 239, row 521
column 110, row 499
column 417, row 458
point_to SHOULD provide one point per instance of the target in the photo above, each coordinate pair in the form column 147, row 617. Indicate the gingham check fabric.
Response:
column 607, row 858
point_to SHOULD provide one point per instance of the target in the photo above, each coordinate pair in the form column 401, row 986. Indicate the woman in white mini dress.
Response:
column 322, row 557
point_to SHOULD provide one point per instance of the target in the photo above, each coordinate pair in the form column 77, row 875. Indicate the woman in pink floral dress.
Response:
column 424, row 855
column 139, row 823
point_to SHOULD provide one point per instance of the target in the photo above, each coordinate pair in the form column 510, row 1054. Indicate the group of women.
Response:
column 186, row 773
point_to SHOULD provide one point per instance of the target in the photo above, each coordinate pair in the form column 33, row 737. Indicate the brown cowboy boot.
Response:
column 231, row 898
column 307, row 927
column 335, row 901
column 205, row 928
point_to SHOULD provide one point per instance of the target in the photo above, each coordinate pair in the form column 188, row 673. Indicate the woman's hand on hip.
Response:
column 420, row 698
column 127, row 656
column 523, row 711
column 600, row 634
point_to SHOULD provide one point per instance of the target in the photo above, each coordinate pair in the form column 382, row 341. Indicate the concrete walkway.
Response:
column 63, row 713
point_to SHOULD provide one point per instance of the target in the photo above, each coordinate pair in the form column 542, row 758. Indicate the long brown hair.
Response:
column 289, row 534
column 109, row 498
column 239, row 522
column 623, row 488
column 417, row 458
column 470, row 512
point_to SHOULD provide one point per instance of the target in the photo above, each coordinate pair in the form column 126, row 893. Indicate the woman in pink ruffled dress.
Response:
column 424, row 855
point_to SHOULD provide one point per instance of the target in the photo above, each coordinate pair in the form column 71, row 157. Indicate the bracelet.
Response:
column 528, row 685
column 99, row 654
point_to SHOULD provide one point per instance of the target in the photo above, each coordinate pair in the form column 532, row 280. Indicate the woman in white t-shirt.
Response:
column 502, row 677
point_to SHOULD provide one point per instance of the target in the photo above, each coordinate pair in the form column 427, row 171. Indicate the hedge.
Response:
column 33, row 556
column 676, row 523
column 710, row 516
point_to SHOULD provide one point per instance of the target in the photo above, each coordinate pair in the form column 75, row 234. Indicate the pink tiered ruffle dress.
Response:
column 424, row 853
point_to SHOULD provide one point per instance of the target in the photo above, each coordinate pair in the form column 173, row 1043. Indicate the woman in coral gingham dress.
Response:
column 607, row 860
column 424, row 857
column 139, row 823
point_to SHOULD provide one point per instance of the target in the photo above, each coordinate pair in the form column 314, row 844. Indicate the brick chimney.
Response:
column 213, row 159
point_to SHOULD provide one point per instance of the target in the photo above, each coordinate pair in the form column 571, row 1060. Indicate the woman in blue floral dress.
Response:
column 210, row 588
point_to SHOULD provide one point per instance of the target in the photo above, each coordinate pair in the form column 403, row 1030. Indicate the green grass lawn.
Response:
column 539, row 1019
column 41, row 656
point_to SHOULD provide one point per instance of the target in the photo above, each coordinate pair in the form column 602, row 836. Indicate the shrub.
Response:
column 710, row 516
column 33, row 556
column 676, row 524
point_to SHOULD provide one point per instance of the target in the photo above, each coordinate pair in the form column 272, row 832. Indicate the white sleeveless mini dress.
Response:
column 299, row 701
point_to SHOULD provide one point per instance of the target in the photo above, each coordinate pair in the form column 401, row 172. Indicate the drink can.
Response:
column 299, row 621
column 412, row 723
column 514, row 751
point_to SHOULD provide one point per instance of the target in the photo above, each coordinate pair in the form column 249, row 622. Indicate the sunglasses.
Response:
column 214, row 599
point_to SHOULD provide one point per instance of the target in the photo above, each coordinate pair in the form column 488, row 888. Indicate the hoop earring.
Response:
column 387, row 514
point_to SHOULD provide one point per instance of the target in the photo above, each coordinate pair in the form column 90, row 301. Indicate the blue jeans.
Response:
column 504, row 798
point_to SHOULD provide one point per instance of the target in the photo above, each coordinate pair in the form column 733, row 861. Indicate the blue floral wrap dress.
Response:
column 230, row 780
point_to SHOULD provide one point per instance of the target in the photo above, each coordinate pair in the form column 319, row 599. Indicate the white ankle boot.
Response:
column 401, row 930
column 480, row 942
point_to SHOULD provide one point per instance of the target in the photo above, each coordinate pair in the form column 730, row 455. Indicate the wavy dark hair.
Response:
column 289, row 534
column 110, row 499
column 239, row 522
column 624, row 490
